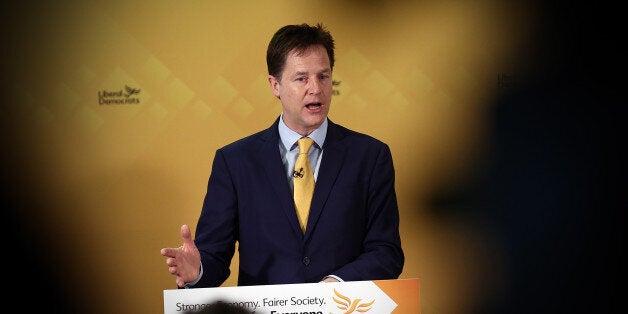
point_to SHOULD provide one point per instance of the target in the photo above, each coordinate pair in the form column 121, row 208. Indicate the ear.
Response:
column 274, row 85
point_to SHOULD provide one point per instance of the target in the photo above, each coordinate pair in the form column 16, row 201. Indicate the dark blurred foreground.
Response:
column 551, row 187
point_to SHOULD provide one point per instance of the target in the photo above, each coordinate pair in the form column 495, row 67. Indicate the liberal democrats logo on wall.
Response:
column 128, row 96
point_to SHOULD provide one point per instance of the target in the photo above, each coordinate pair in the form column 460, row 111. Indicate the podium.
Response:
column 400, row 296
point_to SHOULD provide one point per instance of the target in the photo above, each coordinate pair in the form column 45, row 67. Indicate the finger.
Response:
column 185, row 232
column 186, row 235
column 180, row 282
column 169, row 252
column 171, row 262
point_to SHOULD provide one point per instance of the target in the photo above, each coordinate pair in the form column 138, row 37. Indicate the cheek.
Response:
column 293, row 96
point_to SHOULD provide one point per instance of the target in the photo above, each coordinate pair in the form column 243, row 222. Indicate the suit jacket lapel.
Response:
column 277, row 176
column 333, row 157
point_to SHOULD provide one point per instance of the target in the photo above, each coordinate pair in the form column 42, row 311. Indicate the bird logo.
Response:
column 131, row 91
column 350, row 306
column 298, row 174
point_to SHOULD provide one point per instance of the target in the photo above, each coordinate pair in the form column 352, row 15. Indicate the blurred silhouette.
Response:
column 220, row 307
column 550, row 188
column 552, row 198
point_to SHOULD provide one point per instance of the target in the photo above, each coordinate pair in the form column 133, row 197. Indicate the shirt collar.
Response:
column 289, row 137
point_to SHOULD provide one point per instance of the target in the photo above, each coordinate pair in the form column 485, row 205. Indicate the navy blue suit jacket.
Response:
column 353, row 227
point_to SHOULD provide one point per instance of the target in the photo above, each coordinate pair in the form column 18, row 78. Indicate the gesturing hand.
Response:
column 185, row 261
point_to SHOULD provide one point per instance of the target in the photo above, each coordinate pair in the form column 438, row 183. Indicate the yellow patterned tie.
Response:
column 303, row 182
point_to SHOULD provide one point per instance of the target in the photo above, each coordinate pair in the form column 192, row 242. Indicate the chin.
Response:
column 315, row 120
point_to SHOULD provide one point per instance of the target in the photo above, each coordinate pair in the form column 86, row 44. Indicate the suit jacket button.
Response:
column 306, row 261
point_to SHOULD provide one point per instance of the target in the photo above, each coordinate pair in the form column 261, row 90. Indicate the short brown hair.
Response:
column 299, row 37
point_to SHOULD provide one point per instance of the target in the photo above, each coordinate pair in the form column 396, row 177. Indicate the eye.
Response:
column 301, row 79
column 324, row 76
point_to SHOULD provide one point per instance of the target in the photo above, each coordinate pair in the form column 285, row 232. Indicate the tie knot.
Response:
column 304, row 144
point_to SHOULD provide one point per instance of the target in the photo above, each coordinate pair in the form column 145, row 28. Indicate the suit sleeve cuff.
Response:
column 333, row 276
column 193, row 283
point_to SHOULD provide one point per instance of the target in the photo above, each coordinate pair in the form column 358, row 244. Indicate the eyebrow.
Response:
column 304, row 73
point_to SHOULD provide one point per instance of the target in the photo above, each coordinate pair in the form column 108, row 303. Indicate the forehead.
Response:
column 313, row 58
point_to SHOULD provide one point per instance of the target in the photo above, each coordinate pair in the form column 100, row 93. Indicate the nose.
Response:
column 315, row 86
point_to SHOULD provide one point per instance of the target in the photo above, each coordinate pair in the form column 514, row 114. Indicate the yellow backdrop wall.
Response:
column 117, row 107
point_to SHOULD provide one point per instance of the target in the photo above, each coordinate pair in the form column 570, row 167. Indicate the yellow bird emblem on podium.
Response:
column 350, row 306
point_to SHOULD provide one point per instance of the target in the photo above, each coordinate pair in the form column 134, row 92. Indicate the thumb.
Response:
column 186, row 235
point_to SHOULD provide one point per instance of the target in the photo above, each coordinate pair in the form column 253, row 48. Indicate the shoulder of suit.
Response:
column 267, row 135
column 343, row 133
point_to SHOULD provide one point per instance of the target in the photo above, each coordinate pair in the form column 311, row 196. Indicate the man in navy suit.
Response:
column 352, row 232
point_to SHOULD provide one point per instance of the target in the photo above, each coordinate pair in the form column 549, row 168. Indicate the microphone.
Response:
column 298, row 174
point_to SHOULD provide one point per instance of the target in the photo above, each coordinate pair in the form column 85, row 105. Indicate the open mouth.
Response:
column 314, row 105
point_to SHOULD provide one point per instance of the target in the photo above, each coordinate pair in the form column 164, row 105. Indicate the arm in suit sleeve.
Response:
column 217, row 225
column 382, row 256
